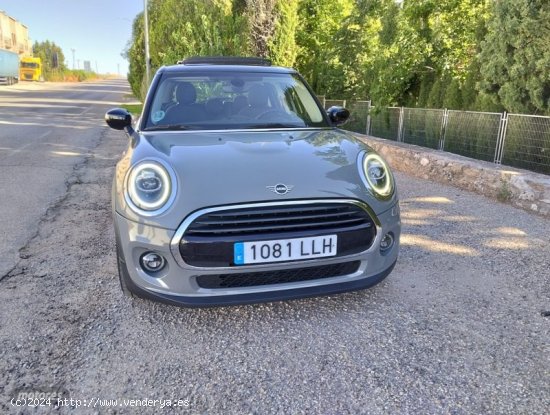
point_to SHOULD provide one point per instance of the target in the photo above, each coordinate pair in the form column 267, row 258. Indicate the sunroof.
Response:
column 225, row 60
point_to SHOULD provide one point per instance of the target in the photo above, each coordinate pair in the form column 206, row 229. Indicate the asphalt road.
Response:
column 459, row 327
column 45, row 130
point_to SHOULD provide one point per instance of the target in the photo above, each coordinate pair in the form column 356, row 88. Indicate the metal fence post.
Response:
column 367, row 127
column 400, row 128
column 443, row 131
column 503, row 126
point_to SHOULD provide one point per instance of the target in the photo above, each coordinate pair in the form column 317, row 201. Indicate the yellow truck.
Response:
column 30, row 69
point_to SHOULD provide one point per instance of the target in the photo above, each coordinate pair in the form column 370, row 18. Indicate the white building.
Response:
column 14, row 35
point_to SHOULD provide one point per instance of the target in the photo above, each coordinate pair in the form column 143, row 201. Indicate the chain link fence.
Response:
column 385, row 123
column 472, row 134
column 526, row 142
column 515, row 140
column 359, row 115
column 327, row 103
column 422, row 127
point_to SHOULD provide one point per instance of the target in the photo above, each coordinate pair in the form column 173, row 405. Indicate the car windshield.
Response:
column 214, row 101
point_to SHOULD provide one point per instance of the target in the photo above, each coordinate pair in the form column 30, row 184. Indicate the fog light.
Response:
column 152, row 262
column 386, row 243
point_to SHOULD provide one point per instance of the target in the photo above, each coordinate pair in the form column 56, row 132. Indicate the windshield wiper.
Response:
column 276, row 125
column 169, row 127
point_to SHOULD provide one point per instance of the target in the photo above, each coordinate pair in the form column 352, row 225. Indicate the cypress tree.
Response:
column 469, row 92
column 426, row 85
column 453, row 97
column 434, row 98
column 515, row 55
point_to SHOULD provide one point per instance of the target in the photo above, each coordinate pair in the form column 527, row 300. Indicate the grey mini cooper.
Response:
column 237, row 187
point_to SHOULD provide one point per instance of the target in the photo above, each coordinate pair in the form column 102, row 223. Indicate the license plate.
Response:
column 285, row 249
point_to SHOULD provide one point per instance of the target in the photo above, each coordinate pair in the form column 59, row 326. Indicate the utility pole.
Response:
column 73, row 50
column 96, row 70
column 118, row 68
column 147, row 57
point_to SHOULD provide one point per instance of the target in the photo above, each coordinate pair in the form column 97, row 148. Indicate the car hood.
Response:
column 220, row 168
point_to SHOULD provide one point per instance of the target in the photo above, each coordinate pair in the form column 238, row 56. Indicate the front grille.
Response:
column 251, row 279
column 210, row 239
column 243, row 222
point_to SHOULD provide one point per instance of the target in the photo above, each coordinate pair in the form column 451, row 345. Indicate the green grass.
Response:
column 134, row 109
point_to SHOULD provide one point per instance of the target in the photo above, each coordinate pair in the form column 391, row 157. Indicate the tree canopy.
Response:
column 51, row 55
column 515, row 55
column 464, row 54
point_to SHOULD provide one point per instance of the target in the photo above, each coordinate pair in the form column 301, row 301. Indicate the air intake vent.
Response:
column 251, row 279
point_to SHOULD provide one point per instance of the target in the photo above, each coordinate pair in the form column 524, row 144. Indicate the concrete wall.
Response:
column 529, row 191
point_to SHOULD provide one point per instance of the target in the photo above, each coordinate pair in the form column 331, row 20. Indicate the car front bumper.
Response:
column 177, row 282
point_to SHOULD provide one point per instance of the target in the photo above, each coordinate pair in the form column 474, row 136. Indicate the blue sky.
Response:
column 98, row 30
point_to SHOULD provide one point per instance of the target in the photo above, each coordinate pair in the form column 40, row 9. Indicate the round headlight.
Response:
column 149, row 186
column 378, row 174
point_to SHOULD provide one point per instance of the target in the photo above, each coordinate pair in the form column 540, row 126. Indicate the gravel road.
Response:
column 461, row 326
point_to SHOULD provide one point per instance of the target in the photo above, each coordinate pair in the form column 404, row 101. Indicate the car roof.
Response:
column 226, row 68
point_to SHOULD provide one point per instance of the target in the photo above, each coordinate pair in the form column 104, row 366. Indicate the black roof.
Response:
column 225, row 64
column 226, row 68
column 225, row 60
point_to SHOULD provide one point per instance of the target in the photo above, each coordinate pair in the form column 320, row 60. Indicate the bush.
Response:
column 69, row 75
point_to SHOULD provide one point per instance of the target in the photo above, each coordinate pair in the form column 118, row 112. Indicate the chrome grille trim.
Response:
column 174, row 244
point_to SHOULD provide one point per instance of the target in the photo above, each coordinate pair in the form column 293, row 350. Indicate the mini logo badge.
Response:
column 377, row 173
column 280, row 189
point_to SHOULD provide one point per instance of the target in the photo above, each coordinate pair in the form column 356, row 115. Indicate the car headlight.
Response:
column 378, row 175
column 150, row 187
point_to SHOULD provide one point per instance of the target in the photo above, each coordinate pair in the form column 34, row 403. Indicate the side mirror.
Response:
column 338, row 115
column 118, row 118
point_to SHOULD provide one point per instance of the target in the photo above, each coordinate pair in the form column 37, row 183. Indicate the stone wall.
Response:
column 524, row 189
